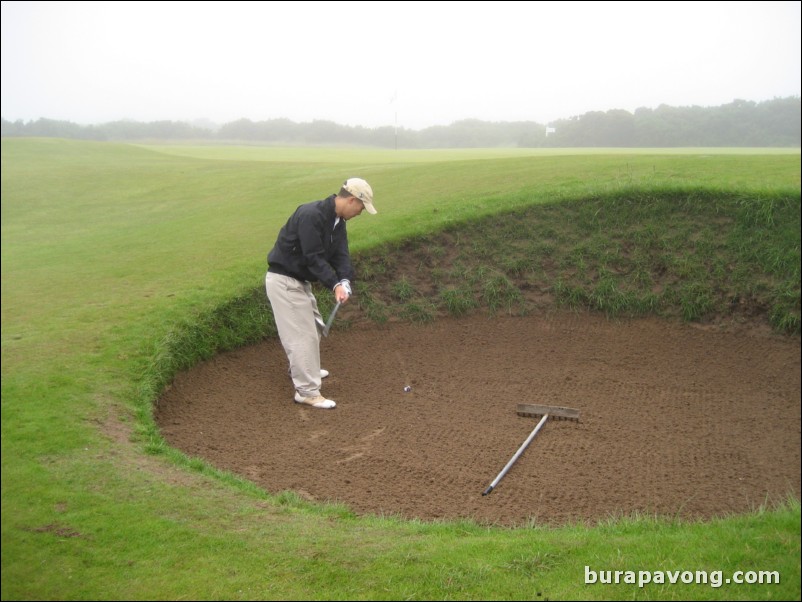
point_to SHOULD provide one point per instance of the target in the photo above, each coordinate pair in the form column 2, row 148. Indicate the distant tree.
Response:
column 242, row 129
column 740, row 123
column 9, row 129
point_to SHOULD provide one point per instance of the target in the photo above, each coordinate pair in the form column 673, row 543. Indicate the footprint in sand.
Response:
column 362, row 447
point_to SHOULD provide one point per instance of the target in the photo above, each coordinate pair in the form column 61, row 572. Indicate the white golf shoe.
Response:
column 319, row 401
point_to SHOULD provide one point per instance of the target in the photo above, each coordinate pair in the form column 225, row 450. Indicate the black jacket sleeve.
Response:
column 316, row 256
column 309, row 247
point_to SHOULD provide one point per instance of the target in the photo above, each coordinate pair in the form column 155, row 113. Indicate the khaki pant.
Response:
column 295, row 310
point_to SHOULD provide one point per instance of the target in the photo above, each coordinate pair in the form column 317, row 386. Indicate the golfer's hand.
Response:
column 342, row 291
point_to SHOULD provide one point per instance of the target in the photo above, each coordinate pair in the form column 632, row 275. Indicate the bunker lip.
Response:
column 667, row 422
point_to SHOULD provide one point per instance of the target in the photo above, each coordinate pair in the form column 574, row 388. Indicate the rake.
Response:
column 525, row 409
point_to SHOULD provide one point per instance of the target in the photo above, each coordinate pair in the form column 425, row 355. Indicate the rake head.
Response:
column 557, row 412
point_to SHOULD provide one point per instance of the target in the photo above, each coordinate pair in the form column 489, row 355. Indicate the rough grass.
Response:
column 714, row 259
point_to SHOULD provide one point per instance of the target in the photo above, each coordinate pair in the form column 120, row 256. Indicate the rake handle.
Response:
column 515, row 457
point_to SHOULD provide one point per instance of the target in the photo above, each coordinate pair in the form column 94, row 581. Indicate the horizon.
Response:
column 205, row 123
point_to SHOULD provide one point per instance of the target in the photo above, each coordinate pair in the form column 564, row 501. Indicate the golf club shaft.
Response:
column 331, row 318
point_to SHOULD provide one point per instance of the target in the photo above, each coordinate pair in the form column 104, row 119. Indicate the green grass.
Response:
column 666, row 251
column 124, row 264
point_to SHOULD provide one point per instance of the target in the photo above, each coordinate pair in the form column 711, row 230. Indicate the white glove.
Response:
column 346, row 284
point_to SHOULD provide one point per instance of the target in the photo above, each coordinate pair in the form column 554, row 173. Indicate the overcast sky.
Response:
column 410, row 64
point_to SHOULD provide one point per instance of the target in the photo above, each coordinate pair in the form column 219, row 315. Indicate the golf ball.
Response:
column 407, row 389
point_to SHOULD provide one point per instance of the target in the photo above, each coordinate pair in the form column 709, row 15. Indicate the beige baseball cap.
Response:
column 361, row 190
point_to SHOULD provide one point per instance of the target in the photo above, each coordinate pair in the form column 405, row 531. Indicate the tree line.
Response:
column 771, row 123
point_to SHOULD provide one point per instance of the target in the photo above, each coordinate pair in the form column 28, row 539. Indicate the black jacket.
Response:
column 309, row 247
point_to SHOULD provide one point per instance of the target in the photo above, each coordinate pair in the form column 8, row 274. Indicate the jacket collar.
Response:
column 329, row 210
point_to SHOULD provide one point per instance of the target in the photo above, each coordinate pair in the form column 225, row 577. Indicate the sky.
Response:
column 402, row 64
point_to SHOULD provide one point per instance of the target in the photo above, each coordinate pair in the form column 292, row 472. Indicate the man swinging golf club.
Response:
column 312, row 247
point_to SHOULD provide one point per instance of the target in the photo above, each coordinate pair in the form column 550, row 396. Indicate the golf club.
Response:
column 330, row 321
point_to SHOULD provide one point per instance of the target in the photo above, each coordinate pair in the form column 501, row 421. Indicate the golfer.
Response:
column 312, row 247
